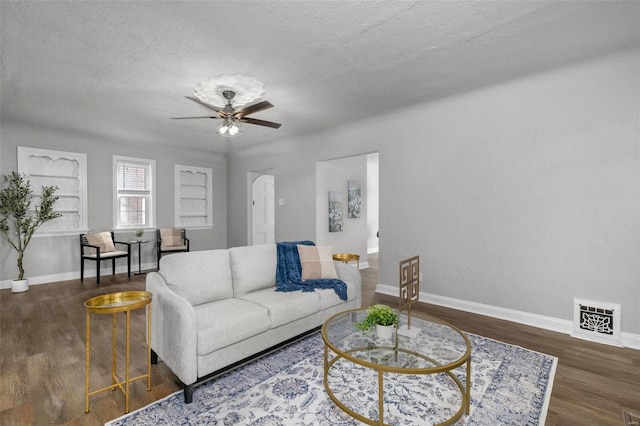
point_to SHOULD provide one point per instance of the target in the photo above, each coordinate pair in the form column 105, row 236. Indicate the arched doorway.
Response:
column 263, row 209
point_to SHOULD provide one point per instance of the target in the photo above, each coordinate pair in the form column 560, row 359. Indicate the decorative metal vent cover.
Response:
column 596, row 321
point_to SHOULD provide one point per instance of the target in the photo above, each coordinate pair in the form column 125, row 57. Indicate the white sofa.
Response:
column 213, row 308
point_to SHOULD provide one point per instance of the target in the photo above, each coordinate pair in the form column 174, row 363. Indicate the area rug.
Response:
column 510, row 386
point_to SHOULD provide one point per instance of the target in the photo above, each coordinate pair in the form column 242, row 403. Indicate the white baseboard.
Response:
column 371, row 250
column 628, row 340
column 364, row 264
column 88, row 273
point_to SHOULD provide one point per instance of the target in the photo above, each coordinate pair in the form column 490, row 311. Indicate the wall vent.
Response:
column 596, row 321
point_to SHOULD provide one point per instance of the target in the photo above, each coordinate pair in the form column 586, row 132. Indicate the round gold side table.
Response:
column 347, row 257
column 113, row 303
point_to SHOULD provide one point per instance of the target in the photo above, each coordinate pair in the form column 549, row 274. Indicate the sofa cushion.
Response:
column 102, row 240
column 200, row 276
column 329, row 298
column 285, row 307
column 316, row 262
column 253, row 268
column 225, row 322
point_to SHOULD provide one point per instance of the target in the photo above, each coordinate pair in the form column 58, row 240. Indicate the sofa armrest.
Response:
column 174, row 329
column 350, row 275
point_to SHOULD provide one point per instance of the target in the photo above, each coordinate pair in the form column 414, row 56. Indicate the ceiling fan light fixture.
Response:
column 234, row 129
column 229, row 127
column 232, row 97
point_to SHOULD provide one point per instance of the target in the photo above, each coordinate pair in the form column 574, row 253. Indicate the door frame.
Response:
column 252, row 177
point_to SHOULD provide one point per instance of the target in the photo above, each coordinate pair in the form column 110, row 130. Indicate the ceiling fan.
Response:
column 231, row 117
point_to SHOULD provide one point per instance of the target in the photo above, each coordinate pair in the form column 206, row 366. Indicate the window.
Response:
column 193, row 189
column 67, row 171
column 134, row 192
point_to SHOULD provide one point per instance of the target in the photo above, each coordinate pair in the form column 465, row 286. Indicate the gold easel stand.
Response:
column 409, row 293
column 114, row 303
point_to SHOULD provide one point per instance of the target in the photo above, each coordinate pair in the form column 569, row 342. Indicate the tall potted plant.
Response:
column 18, row 222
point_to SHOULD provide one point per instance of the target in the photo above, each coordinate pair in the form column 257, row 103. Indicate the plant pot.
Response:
column 384, row 332
column 18, row 286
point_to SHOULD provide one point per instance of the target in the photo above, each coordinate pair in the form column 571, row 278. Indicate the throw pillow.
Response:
column 102, row 240
column 316, row 262
column 171, row 237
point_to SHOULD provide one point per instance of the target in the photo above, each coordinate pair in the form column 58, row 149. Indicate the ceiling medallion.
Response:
column 247, row 89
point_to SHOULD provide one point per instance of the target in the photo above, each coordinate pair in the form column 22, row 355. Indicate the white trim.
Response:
column 179, row 205
column 25, row 154
column 364, row 264
column 121, row 268
column 372, row 250
column 629, row 340
column 151, row 164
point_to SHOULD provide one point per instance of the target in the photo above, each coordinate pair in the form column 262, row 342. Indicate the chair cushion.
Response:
column 316, row 262
column 109, row 254
column 171, row 238
column 102, row 240
column 173, row 248
column 225, row 322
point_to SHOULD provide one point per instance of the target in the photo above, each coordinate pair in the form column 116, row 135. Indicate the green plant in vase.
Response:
column 139, row 233
column 378, row 314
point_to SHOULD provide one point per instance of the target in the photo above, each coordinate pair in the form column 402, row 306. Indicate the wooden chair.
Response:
column 171, row 241
column 101, row 246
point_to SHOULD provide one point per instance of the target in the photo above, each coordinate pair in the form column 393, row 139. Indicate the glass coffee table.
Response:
column 419, row 370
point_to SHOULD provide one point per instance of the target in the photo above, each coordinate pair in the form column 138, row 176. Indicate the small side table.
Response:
column 139, row 243
column 114, row 303
column 347, row 257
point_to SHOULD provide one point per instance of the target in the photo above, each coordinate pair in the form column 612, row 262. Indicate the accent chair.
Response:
column 171, row 241
column 100, row 246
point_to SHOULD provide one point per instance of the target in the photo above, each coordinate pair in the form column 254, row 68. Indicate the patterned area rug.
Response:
column 510, row 386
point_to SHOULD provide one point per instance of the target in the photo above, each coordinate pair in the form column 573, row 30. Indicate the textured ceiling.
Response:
column 121, row 69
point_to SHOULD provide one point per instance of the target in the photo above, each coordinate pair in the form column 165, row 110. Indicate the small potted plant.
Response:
column 139, row 233
column 383, row 317
column 18, row 222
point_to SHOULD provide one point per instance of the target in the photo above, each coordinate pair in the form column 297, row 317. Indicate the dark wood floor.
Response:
column 42, row 358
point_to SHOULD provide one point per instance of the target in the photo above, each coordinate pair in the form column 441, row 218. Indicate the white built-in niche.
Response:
column 193, row 191
column 67, row 171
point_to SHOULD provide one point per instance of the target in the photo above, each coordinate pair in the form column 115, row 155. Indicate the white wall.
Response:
column 333, row 176
column 57, row 258
column 522, row 195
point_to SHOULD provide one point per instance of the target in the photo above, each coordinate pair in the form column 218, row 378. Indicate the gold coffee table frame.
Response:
column 114, row 303
column 351, row 355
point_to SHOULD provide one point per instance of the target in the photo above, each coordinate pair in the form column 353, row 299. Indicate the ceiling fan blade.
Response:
column 186, row 118
column 260, row 122
column 216, row 109
column 260, row 106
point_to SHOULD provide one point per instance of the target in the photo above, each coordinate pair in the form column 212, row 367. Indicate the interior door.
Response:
column 263, row 189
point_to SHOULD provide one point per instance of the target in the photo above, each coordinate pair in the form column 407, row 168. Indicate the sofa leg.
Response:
column 154, row 357
column 188, row 393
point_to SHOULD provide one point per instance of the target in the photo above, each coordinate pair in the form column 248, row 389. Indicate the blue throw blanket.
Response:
column 289, row 272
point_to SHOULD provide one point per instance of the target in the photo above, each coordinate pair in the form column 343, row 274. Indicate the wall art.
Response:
column 354, row 199
column 336, row 208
